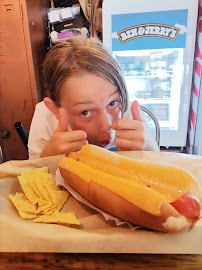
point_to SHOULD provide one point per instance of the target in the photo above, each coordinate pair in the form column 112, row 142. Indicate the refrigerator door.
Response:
column 154, row 43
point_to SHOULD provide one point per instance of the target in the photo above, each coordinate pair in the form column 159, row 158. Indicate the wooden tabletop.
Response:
column 24, row 261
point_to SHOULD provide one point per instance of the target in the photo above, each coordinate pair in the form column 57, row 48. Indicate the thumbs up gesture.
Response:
column 130, row 134
column 62, row 140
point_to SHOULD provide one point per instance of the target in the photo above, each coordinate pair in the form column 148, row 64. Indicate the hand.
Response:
column 130, row 133
column 62, row 140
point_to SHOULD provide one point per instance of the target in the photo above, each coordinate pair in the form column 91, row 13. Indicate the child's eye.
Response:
column 85, row 113
column 113, row 103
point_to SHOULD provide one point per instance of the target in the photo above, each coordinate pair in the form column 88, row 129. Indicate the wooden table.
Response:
column 24, row 261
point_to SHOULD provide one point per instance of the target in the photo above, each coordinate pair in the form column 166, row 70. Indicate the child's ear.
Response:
column 51, row 106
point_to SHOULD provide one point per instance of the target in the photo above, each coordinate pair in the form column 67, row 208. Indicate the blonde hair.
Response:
column 76, row 56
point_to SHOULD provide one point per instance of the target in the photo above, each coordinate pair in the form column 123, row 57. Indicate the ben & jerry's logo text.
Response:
column 148, row 30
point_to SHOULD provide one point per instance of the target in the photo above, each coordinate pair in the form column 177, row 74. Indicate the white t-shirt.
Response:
column 44, row 123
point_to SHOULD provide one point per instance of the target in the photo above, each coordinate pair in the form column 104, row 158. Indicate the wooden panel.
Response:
column 36, row 31
column 15, row 88
column 22, row 48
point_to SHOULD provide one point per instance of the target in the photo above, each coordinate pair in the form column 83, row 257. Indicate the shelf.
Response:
column 146, row 76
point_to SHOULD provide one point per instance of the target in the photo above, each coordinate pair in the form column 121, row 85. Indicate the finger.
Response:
column 74, row 146
column 132, row 135
column 63, row 120
column 126, row 145
column 76, row 135
column 127, row 124
column 76, row 139
column 135, row 110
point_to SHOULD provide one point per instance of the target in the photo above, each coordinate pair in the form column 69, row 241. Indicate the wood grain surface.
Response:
column 37, row 261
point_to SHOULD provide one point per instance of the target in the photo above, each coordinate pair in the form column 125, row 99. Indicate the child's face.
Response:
column 92, row 104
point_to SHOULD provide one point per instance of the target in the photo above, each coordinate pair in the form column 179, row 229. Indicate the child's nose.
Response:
column 105, row 122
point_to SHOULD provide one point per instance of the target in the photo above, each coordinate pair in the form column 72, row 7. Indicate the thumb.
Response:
column 63, row 120
column 135, row 110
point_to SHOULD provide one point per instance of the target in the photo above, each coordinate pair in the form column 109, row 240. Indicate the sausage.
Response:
column 188, row 206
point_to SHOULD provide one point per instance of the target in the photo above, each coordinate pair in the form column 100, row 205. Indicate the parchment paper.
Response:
column 95, row 235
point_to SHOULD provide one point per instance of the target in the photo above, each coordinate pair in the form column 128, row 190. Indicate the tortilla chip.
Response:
column 29, row 192
column 59, row 198
column 22, row 205
column 34, row 171
column 43, row 207
column 60, row 218
column 20, row 196
column 34, row 187
column 42, row 189
column 42, row 200
column 32, row 175
column 49, row 211
column 35, row 181
column 49, row 182
column 25, row 215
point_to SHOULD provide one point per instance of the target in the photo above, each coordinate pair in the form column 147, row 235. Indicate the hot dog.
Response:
column 140, row 192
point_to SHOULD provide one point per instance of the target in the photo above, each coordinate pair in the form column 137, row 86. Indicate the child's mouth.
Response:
column 105, row 142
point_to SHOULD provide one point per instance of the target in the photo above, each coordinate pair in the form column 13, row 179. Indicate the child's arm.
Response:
column 43, row 138
column 62, row 140
column 133, row 134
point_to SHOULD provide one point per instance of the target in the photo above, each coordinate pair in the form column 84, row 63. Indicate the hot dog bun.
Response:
column 122, row 197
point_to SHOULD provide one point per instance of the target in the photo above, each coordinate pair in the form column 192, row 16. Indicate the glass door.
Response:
column 155, row 79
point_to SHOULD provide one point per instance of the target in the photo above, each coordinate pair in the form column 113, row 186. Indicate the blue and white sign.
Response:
column 149, row 30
